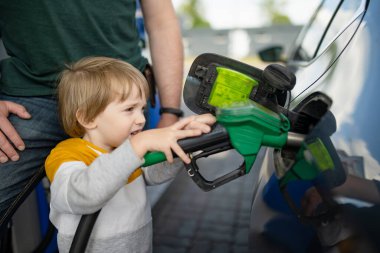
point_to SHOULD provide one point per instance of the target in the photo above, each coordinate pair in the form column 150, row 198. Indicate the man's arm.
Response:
column 166, row 49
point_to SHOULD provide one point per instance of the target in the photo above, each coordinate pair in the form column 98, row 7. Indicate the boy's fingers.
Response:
column 199, row 125
column 183, row 122
column 188, row 133
column 180, row 153
column 208, row 119
column 169, row 155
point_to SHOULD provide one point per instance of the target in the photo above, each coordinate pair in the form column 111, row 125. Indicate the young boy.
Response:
column 101, row 104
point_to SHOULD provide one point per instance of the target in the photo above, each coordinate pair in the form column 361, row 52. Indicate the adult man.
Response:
column 40, row 37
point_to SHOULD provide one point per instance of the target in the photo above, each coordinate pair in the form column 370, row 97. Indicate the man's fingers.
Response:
column 17, row 109
column 7, row 149
column 3, row 158
column 9, row 131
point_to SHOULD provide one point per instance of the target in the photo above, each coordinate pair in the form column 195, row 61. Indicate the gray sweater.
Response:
column 124, row 223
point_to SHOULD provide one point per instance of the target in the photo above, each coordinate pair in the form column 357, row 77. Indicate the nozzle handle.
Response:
column 208, row 185
column 216, row 136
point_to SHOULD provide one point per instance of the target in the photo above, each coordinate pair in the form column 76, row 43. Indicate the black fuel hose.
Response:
column 83, row 232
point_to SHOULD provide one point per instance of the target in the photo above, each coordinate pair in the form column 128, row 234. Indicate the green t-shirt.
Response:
column 41, row 36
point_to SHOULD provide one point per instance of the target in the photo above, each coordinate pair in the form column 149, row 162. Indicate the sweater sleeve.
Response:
column 162, row 172
column 81, row 189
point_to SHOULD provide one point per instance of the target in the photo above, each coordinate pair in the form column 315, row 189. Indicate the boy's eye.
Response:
column 129, row 109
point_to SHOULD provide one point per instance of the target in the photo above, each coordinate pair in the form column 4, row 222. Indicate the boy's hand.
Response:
column 165, row 139
column 202, row 122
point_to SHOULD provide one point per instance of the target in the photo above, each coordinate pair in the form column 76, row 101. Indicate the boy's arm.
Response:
column 162, row 172
column 79, row 189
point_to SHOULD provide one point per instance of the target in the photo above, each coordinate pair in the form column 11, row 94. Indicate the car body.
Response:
column 336, row 54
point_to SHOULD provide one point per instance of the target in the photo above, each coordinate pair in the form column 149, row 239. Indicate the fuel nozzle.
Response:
column 276, row 80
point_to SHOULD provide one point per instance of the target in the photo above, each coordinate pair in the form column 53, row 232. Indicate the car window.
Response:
column 347, row 12
column 316, row 29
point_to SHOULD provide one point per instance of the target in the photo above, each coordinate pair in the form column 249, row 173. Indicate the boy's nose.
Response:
column 140, row 119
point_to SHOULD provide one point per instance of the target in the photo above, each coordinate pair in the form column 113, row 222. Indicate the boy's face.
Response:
column 119, row 121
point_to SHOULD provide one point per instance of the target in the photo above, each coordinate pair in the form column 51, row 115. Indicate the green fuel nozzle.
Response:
column 245, row 128
column 252, row 126
column 242, row 123
column 247, row 104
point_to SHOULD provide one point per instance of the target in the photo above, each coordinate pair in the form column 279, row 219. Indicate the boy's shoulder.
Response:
column 77, row 146
column 70, row 150
column 70, row 142
column 71, row 146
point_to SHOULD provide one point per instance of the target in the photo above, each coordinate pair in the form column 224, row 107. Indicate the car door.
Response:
column 343, row 65
column 336, row 55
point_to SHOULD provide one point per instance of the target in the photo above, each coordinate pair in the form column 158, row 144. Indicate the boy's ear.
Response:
column 84, row 123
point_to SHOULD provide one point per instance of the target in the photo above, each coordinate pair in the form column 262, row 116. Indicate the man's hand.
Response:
column 8, row 134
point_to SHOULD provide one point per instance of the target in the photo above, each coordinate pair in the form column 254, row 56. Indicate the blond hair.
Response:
column 89, row 85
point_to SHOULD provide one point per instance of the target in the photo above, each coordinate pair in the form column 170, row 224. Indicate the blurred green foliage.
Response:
column 273, row 9
column 193, row 12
